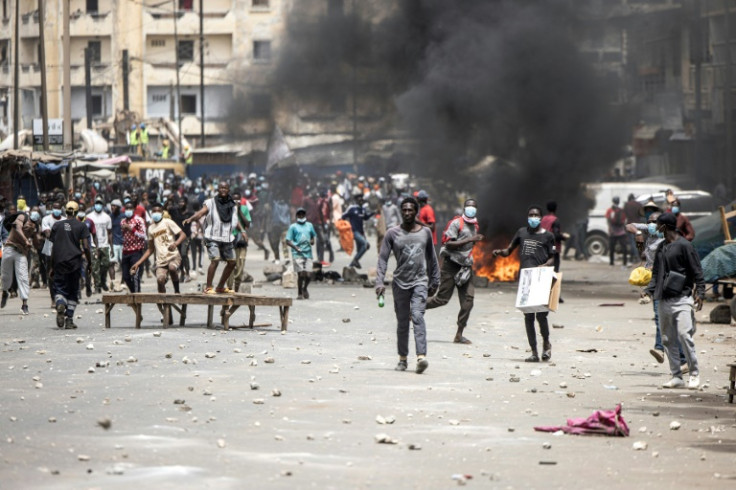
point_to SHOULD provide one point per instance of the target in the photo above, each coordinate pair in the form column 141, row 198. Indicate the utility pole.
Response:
column 355, row 98
column 67, row 85
column 729, row 167
column 16, row 77
column 178, row 85
column 126, row 74
column 88, row 84
column 697, row 58
column 42, row 62
column 201, row 72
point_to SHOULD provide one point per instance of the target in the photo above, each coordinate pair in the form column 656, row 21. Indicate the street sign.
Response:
column 56, row 131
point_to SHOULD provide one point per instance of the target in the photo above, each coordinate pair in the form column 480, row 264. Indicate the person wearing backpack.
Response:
column 456, row 271
column 616, row 219
column 15, row 257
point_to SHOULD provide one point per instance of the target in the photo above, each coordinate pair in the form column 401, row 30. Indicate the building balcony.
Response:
column 29, row 25
column 30, row 75
column 90, row 25
column 187, row 23
column 77, row 74
column 165, row 74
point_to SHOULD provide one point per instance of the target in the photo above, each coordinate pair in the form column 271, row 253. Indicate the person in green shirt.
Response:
column 241, row 243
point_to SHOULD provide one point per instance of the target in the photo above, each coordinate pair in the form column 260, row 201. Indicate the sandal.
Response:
column 209, row 290
column 532, row 358
column 547, row 352
column 462, row 340
column 224, row 290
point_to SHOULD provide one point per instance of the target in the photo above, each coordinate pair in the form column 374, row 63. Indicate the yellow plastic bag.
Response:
column 640, row 276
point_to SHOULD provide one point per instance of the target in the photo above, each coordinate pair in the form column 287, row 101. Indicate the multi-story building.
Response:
column 239, row 37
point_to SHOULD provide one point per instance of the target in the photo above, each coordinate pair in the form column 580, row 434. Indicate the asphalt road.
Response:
column 189, row 407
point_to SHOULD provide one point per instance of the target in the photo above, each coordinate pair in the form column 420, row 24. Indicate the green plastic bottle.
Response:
column 381, row 302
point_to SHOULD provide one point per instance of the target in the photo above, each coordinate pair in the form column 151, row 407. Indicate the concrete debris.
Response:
column 210, row 355
column 547, row 445
column 83, row 457
column 675, row 425
column 275, row 392
column 254, row 385
column 365, row 358
column 259, row 401
column 105, row 423
column 221, row 443
column 640, row 446
column 385, row 439
column 269, row 360
column 157, row 334
column 90, row 347
column 306, row 362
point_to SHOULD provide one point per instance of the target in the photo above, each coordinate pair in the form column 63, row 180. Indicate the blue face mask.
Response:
column 35, row 216
column 156, row 217
column 471, row 211
column 652, row 228
column 675, row 209
column 660, row 234
column 128, row 213
column 97, row 185
column 77, row 195
column 534, row 222
column 301, row 220
column 81, row 215
column 56, row 213
column 98, row 208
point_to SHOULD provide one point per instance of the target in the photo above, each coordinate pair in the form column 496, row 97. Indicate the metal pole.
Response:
column 126, row 74
column 42, row 62
column 201, row 72
column 178, row 85
column 698, row 59
column 355, row 101
column 88, row 84
column 67, row 84
column 16, row 77
column 727, row 97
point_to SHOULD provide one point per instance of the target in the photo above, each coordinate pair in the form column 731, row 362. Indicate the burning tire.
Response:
column 596, row 244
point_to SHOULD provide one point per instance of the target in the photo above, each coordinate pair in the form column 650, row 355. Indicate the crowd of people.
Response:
column 62, row 243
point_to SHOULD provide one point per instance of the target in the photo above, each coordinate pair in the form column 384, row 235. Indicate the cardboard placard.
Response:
column 539, row 290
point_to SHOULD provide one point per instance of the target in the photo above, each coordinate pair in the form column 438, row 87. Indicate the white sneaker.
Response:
column 693, row 383
column 674, row 383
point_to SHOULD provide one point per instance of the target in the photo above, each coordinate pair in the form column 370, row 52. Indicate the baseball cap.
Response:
column 72, row 206
column 422, row 195
column 667, row 219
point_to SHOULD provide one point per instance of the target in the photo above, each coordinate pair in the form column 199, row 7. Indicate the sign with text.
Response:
column 55, row 128
column 148, row 174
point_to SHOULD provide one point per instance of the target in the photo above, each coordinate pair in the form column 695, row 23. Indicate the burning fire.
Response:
column 495, row 269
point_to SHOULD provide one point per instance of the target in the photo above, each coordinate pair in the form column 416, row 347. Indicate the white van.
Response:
column 596, row 241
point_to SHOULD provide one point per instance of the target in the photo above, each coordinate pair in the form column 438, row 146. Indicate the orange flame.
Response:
column 495, row 269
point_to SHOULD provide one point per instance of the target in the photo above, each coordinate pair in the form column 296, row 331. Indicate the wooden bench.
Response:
column 731, row 391
column 179, row 302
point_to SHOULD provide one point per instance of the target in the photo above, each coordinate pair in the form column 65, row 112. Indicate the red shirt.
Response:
column 426, row 216
column 134, row 240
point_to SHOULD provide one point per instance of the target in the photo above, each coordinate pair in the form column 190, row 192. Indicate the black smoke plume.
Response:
column 468, row 79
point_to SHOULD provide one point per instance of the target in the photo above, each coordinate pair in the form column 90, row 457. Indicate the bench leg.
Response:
column 732, row 384
column 252, row 318
column 210, row 312
column 138, row 315
column 182, row 315
column 227, row 314
column 108, row 309
column 167, row 316
column 284, row 312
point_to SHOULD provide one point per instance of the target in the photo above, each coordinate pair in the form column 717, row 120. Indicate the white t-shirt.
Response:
column 48, row 222
column 103, row 225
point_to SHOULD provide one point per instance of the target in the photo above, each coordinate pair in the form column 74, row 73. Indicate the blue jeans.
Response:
column 66, row 288
column 658, row 340
column 361, row 245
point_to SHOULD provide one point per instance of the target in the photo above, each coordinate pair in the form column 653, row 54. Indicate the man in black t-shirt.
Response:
column 70, row 238
column 537, row 249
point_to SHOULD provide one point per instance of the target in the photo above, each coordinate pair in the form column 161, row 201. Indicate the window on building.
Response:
column 95, row 51
column 92, row 6
column 262, row 4
column 188, row 104
column 262, row 50
column 97, row 105
column 158, row 43
column 4, row 52
column 335, row 7
column 186, row 51
column 5, row 9
column 260, row 105
column 186, row 4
